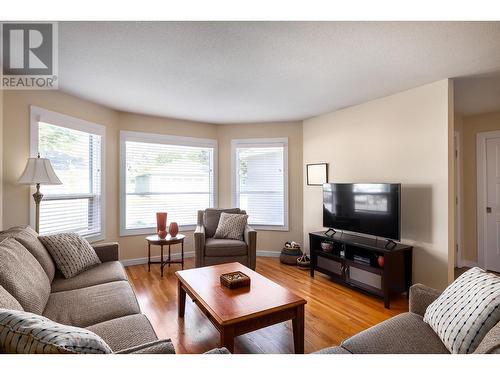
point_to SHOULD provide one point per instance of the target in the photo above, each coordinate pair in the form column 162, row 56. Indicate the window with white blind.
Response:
column 75, row 150
column 165, row 174
column 260, row 181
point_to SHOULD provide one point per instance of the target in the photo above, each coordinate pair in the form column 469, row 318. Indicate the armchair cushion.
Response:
column 218, row 247
column 231, row 226
column 212, row 216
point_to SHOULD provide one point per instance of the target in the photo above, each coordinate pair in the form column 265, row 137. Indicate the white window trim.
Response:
column 160, row 139
column 37, row 115
column 261, row 142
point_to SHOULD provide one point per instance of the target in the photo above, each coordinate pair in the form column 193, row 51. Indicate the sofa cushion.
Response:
column 29, row 239
column 231, row 226
column 92, row 305
column 491, row 342
column 155, row 347
column 218, row 247
column 333, row 350
column 100, row 274
column 8, row 302
column 212, row 216
column 26, row 333
column 23, row 277
column 71, row 252
column 125, row 332
column 465, row 312
column 404, row 334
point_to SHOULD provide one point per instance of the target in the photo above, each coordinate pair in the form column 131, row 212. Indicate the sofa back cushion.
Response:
column 466, row 311
column 212, row 217
column 23, row 277
column 25, row 333
column 491, row 342
column 8, row 302
column 29, row 239
column 71, row 252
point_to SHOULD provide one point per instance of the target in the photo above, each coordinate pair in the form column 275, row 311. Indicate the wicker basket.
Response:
column 234, row 280
column 304, row 262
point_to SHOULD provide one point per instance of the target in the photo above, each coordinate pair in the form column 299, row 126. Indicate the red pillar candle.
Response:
column 161, row 224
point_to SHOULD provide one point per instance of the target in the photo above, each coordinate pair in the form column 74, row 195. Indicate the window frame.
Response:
column 167, row 140
column 254, row 143
column 38, row 114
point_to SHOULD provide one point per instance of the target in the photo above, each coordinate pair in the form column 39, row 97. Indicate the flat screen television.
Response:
column 372, row 209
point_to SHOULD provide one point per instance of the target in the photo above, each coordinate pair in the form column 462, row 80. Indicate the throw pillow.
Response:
column 25, row 333
column 72, row 253
column 29, row 239
column 231, row 226
column 23, row 277
column 466, row 311
column 7, row 301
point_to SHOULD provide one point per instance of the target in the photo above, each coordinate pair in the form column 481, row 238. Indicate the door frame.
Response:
column 458, row 201
column 482, row 234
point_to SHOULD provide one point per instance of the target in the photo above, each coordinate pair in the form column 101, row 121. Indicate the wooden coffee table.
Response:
column 235, row 312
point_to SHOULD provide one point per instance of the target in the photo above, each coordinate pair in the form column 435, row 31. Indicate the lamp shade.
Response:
column 39, row 171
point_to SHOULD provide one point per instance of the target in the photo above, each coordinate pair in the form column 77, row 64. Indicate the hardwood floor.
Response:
column 332, row 313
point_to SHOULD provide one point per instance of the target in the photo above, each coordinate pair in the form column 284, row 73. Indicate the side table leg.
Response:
column 298, row 330
column 169, row 255
column 182, row 255
column 149, row 257
column 181, row 299
column 161, row 261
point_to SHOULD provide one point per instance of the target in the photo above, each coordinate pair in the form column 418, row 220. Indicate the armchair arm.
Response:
column 250, row 237
column 107, row 252
column 421, row 297
column 199, row 245
column 154, row 347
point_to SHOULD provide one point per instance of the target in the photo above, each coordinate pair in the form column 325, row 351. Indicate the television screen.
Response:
column 364, row 208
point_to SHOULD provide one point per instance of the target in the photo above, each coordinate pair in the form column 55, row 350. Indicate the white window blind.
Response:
column 260, row 180
column 164, row 173
column 76, row 156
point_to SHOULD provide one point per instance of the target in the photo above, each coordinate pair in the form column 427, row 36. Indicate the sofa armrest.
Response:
column 154, row 347
column 421, row 297
column 250, row 237
column 107, row 252
column 218, row 351
column 199, row 245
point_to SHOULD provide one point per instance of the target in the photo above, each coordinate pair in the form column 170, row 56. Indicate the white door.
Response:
column 492, row 253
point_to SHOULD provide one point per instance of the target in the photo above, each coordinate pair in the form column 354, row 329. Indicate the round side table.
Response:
column 169, row 240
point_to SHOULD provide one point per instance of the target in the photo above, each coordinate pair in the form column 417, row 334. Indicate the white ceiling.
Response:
column 228, row 72
column 477, row 94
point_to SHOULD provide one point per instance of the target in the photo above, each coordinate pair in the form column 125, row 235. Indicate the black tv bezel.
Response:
column 398, row 239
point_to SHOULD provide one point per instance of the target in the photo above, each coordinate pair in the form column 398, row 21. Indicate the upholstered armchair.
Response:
column 210, row 251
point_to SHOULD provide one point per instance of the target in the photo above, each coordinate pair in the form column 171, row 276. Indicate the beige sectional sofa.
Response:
column 99, row 299
column 407, row 333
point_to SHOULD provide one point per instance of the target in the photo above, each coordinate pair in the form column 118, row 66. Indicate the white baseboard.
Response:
column 136, row 261
column 189, row 254
column 468, row 263
column 266, row 253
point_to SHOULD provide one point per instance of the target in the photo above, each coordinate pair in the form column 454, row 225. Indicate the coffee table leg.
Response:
column 181, row 299
column 227, row 338
column 298, row 330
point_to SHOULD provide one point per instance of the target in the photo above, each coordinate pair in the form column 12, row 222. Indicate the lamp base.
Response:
column 37, row 196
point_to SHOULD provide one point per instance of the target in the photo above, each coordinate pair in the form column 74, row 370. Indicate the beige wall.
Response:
column 16, row 199
column 469, row 128
column 267, row 240
column 1, row 159
column 399, row 138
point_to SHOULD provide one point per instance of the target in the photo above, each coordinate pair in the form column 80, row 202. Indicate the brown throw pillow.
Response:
column 231, row 226
column 71, row 252
column 23, row 277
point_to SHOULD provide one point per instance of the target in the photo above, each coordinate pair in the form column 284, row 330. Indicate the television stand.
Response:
column 354, row 262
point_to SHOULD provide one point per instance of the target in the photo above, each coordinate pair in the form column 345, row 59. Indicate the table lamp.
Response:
column 38, row 171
